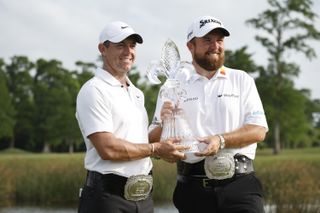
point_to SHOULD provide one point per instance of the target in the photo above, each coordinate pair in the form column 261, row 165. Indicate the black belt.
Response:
column 195, row 174
column 110, row 183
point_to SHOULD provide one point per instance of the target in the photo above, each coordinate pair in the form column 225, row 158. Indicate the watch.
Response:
column 222, row 142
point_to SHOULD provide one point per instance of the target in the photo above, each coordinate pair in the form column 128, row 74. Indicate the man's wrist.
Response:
column 153, row 151
column 222, row 141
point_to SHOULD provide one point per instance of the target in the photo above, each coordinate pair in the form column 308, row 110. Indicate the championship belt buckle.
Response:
column 138, row 187
column 220, row 166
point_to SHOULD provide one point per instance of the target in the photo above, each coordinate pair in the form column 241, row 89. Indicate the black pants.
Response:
column 97, row 200
column 244, row 194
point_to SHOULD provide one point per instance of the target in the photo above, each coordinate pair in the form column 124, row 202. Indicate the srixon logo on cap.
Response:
column 206, row 21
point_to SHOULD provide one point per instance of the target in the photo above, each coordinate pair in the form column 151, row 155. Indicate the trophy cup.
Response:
column 176, row 73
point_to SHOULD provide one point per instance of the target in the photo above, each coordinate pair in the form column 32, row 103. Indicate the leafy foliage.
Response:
column 7, row 111
column 286, row 27
column 20, row 85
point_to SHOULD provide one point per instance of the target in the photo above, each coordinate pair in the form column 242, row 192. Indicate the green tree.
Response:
column 68, row 126
column 55, row 92
column 313, row 110
column 286, row 26
column 20, row 86
column 86, row 71
column 240, row 59
column 7, row 111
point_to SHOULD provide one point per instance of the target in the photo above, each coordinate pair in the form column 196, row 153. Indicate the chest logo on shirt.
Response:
column 228, row 95
column 190, row 99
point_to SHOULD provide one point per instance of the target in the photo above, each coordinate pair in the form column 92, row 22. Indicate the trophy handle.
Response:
column 154, row 70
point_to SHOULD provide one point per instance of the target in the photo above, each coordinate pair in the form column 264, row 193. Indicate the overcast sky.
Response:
column 68, row 30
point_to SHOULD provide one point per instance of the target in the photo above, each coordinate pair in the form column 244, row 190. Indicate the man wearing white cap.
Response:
column 224, row 110
column 113, row 121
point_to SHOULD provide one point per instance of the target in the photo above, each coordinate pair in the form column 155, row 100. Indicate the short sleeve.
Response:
column 252, row 105
column 93, row 111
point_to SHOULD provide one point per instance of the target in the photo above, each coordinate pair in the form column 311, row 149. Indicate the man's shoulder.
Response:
column 91, row 83
column 237, row 73
column 234, row 71
column 91, row 87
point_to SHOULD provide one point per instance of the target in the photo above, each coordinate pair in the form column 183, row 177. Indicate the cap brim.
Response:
column 205, row 32
column 137, row 37
column 123, row 36
column 221, row 29
column 224, row 31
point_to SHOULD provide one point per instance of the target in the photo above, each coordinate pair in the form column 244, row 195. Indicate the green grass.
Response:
column 54, row 179
column 291, row 179
column 305, row 155
column 44, row 179
column 13, row 151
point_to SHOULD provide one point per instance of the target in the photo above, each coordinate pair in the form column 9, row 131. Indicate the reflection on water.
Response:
column 168, row 208
column 158, row 209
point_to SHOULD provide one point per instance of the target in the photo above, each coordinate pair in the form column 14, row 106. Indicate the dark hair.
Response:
column 192, row 40
column 106, row 43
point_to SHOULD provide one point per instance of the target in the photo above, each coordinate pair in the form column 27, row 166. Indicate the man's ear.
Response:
column 101, row 48
column 190, row 46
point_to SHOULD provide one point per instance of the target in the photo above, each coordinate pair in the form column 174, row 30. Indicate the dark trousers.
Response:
column 98, row 199
column 244, row 194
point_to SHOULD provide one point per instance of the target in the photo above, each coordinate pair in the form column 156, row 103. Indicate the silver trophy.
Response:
column 176, row 72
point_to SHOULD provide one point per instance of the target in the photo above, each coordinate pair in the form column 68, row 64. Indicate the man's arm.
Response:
column 155, row 133
column 112, row 148
column 239, row 138
column 244, row 136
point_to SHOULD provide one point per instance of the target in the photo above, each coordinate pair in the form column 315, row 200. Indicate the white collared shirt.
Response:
column 221, row 104
column 104, row 105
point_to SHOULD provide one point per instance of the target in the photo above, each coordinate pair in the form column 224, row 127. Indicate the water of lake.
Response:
column 158, row 209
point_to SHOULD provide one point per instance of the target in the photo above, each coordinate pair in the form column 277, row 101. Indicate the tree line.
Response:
column 37, row 98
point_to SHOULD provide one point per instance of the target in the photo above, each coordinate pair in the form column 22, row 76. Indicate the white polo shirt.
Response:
column 103, row 105
column 222, row 104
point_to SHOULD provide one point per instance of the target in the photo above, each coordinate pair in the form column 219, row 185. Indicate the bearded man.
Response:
column 225, row 112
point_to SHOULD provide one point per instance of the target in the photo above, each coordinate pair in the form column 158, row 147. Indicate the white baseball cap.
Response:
column 203, row 25
column 118, row 31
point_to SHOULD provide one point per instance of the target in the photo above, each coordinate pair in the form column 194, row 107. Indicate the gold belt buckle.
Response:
column 138, row 187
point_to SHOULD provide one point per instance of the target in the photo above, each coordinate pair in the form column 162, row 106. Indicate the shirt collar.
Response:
column 108, row 78
column 221, row 73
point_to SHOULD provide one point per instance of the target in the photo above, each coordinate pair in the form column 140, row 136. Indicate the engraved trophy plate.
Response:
column 220, row 166
column 176, row 72
column 138, row 187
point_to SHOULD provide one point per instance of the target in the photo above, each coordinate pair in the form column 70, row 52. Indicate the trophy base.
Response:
column 192, row 158
column 195, row 146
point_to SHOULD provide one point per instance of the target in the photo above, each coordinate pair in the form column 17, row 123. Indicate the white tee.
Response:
column 222, row 104
column 104, row 105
